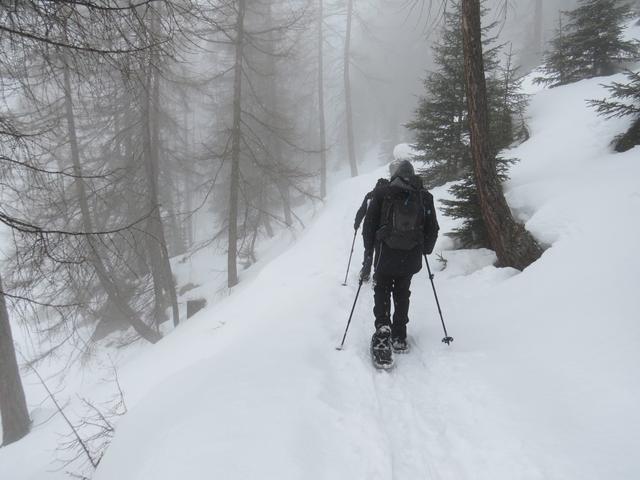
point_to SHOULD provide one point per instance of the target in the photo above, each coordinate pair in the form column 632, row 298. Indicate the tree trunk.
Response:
column 113, row 292
column 188, row 219
column 156, row 241
column 234, row 183
column 321, row 120
column 513, row 245
column 139, row 262
column 273, row 110
column 149, row 157
column 285, row 195
column 177, row 243
column 347, row 92
column 187, row 223
column 13, row 405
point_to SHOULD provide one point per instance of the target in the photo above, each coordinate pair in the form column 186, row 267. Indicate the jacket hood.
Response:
column 382, row 182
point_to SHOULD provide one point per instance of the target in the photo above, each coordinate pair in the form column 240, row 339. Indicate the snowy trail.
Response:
column 435, row 416
column 538, row 384
column 278, row 387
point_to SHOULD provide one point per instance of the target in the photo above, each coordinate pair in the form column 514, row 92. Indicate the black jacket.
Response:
column 363, row 208
column 394, row 262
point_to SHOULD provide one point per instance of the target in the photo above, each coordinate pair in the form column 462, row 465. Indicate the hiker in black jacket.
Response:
column 362, row 211
column 399, row 227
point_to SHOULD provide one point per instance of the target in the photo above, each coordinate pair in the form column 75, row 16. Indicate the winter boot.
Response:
column 399, row 345
column 381, row 353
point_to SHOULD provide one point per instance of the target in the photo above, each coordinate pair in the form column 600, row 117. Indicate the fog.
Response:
column 138, row 134
column 393, row 53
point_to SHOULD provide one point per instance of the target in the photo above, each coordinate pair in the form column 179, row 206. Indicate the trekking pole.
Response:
column 353, row 244
column 447, row 339
column 350, row 316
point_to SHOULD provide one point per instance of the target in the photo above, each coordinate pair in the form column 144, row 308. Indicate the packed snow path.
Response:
column 274, row 399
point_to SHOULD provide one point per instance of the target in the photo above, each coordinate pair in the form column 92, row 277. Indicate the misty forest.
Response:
column 178, row 186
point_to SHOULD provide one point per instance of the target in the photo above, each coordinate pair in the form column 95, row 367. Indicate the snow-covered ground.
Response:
column 540, row 383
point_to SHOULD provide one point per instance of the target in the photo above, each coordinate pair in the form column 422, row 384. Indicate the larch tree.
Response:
column 30, row 31
column 514, row 246
column 258, row 142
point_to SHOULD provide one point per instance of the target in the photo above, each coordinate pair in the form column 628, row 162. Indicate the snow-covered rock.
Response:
column 404, row 151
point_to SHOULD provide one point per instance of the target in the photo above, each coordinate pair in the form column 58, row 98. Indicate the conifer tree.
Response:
column 557, row 66
column 624, row 102
column 506, row 104
column 589, row 44
column 441, row 123
column 440, row 119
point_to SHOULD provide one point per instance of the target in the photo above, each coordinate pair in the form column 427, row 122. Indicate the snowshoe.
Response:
column 399, row 345
column 381, row 353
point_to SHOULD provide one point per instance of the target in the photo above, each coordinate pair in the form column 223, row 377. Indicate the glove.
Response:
column 365, row 271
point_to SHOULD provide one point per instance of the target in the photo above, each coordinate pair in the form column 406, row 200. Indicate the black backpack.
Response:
column 402, row 220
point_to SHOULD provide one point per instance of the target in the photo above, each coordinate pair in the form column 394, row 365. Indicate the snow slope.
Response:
column 540, row 383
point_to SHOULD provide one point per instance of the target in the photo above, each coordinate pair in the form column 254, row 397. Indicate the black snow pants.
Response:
column 385, row 287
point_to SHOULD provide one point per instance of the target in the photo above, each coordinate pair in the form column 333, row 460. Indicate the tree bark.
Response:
column 112, row 290
column 347, row 92
column 234, row 183
column 321, row 119
column 13, row 405
column 513, row 245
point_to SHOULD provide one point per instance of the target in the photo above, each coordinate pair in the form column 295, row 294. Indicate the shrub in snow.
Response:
column 624, row 101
